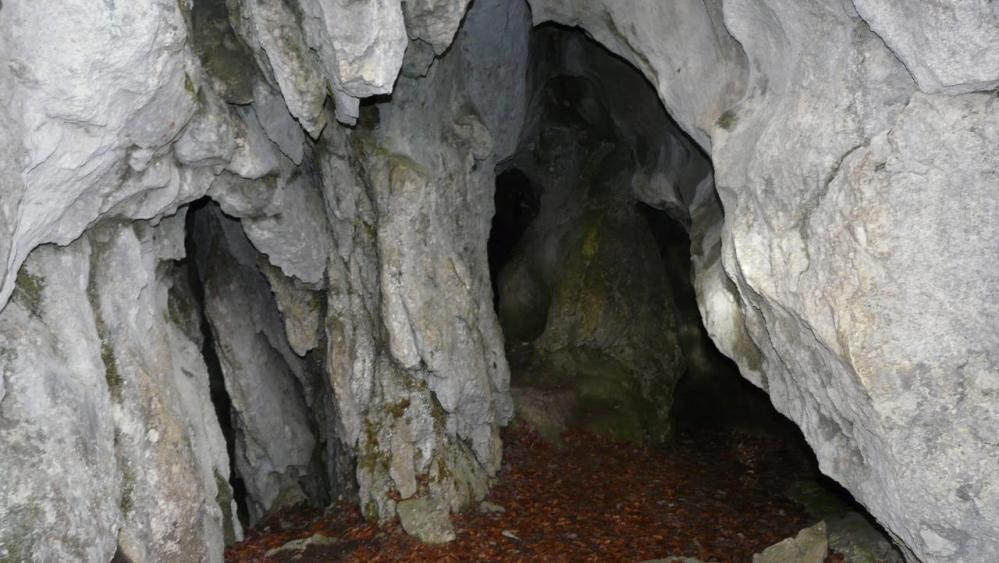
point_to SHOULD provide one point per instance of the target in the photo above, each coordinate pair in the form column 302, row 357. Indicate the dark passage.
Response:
column 267, row 397
column 220, row 397
column 595, row 290
column 517, row 203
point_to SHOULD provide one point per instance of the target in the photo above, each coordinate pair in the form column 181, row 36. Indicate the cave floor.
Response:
column 715, row 495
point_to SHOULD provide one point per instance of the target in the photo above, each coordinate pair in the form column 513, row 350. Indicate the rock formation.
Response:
column 844, row 246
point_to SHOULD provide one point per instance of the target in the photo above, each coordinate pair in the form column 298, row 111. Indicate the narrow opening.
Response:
column 219, row 395
column 517, row 202
column 266, row 392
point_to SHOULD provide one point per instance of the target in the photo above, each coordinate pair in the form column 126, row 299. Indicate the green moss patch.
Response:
column 727, row 120
column 28, row 289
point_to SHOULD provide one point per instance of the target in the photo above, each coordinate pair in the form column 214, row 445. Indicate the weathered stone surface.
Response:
column 73, row 125
column 850, row 533
column 51, row 505
column 853, row 536
column 841, row 280
column 360, row 47
column 293, row 65
column 294, row 235
column 170, row 451
column 847, row 265
column 789, row 280
column 278, row 123
column 413, row 340
column 426, row 519
column 255, row 156
column 493, row 43
column 227, row 59
column 301, row 309
column 111, row 437
column 948, row 46
column 811, row 545
column 434, row 21
column 296, row 547
column 546, row 411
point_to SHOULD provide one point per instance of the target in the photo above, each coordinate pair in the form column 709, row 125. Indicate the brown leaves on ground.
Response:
column 715, row 496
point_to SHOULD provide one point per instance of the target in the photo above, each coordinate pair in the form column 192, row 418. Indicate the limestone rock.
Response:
column 255, row 156
column 51, row 506
column 292, row 63
column 586, row 285
column 809, row 546
column 791, row 292
column 301, row 309
column 125, row 453
column 170, row 450
column 426, row 519
column 947, row 46
column 360, row 46
column 401, row 469
column 486, row 507
column 853, row 536
column 72, row 124
column 434, row 21
column 297, row 546
column 410, row 325
column 293, row 233
column 850, row 533
column 827, row 274
column 278, row 123
column 493, row 42
column 846, row 260
column 227, row 59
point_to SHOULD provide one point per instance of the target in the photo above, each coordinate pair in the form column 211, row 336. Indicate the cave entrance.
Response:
column 266, row 385
column 590, row 258
column 591, row 261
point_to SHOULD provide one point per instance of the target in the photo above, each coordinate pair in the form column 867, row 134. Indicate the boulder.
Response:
column 426, row 519
column 811, row 545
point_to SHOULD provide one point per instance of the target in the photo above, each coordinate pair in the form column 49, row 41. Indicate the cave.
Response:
column 499, row 280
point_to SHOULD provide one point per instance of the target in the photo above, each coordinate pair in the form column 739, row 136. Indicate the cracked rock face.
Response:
column 844, row 248
column 112, row 440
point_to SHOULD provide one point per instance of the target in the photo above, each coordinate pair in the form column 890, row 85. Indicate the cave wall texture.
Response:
column 844, row 249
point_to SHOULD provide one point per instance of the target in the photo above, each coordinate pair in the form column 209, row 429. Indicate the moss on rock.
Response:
column 28, row 289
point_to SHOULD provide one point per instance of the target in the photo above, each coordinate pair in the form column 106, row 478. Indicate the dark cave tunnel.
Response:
column 585, row 271
column 593, row 131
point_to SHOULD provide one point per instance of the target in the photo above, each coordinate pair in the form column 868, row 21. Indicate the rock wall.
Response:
column 156, row 106
column 845, row 263
column 111, row 440
column 419, row 363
